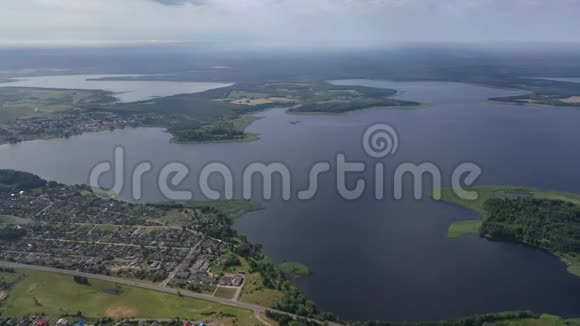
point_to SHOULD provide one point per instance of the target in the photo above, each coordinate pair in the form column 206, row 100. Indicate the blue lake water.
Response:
column 375, row 259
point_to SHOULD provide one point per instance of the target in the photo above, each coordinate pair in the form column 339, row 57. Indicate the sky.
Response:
column 287, row 23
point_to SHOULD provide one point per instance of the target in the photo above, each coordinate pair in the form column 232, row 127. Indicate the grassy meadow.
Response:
column 56, row 294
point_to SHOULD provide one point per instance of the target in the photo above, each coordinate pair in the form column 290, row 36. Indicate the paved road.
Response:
column 257, row 309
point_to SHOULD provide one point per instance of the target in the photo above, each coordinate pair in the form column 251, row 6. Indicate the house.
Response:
column 25, row 322
column 237, row 280
column 232, row 280
column 62, row 322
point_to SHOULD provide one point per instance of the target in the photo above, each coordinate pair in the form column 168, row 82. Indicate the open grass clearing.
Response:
column 55, row 294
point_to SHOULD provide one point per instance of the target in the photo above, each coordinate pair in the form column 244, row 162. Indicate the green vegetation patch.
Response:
column 255, row 292
column 487, row 192
column 232, row 208
column 543, row 92
column 9, row 278
column 542, row 320
column 294, row 269
column 553, row 225
column 328, row 98
column 226, row 293
column 106, row 228
column 11, row 181
column 199, row 117
column 461, row 228
column 573, row 263
column 10, row 220
column 352, row 105
column 542, row 99
column 513, row 318
column 57, row 294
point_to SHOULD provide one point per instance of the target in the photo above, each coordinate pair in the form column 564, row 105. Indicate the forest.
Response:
column 338, row 107
column 11, row 180
column 550, row 224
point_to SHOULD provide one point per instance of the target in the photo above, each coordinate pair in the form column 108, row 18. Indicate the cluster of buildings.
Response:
column 69, row 204
column 68, row 227
column 196, row 268
column 38, row 321
column 66, row 124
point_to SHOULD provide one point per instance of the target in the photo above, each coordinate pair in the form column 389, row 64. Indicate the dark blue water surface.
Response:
column 377, row 259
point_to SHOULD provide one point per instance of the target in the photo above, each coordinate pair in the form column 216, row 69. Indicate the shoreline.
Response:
column 467, row 227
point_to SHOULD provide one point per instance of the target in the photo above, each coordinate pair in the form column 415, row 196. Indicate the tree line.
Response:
column 550, row 224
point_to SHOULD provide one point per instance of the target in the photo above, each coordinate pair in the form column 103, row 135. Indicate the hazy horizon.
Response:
column 285, row 23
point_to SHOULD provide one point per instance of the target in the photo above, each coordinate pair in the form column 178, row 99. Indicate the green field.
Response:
column 254, row 290
column 543, row 320
column 106, row 228
column 461, row 228
column 227, row 293
column 25, row 102
column 56, row 294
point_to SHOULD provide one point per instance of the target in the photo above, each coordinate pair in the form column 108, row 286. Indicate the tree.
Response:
column 81, row 280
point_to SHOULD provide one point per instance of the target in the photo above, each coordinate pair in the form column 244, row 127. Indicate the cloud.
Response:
column 181, row 2
column 70, row 4
column 292, row 22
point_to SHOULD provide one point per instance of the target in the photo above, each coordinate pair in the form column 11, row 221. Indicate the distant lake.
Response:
column 377, row 259
column 564, row 79
column 126, row 91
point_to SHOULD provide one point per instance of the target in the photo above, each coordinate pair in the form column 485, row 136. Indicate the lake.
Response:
column 376, row 259
column 564, row 79
column 125, row 91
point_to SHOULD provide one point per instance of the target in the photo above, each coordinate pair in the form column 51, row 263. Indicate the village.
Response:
column 65, row 124
column 68, row 227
